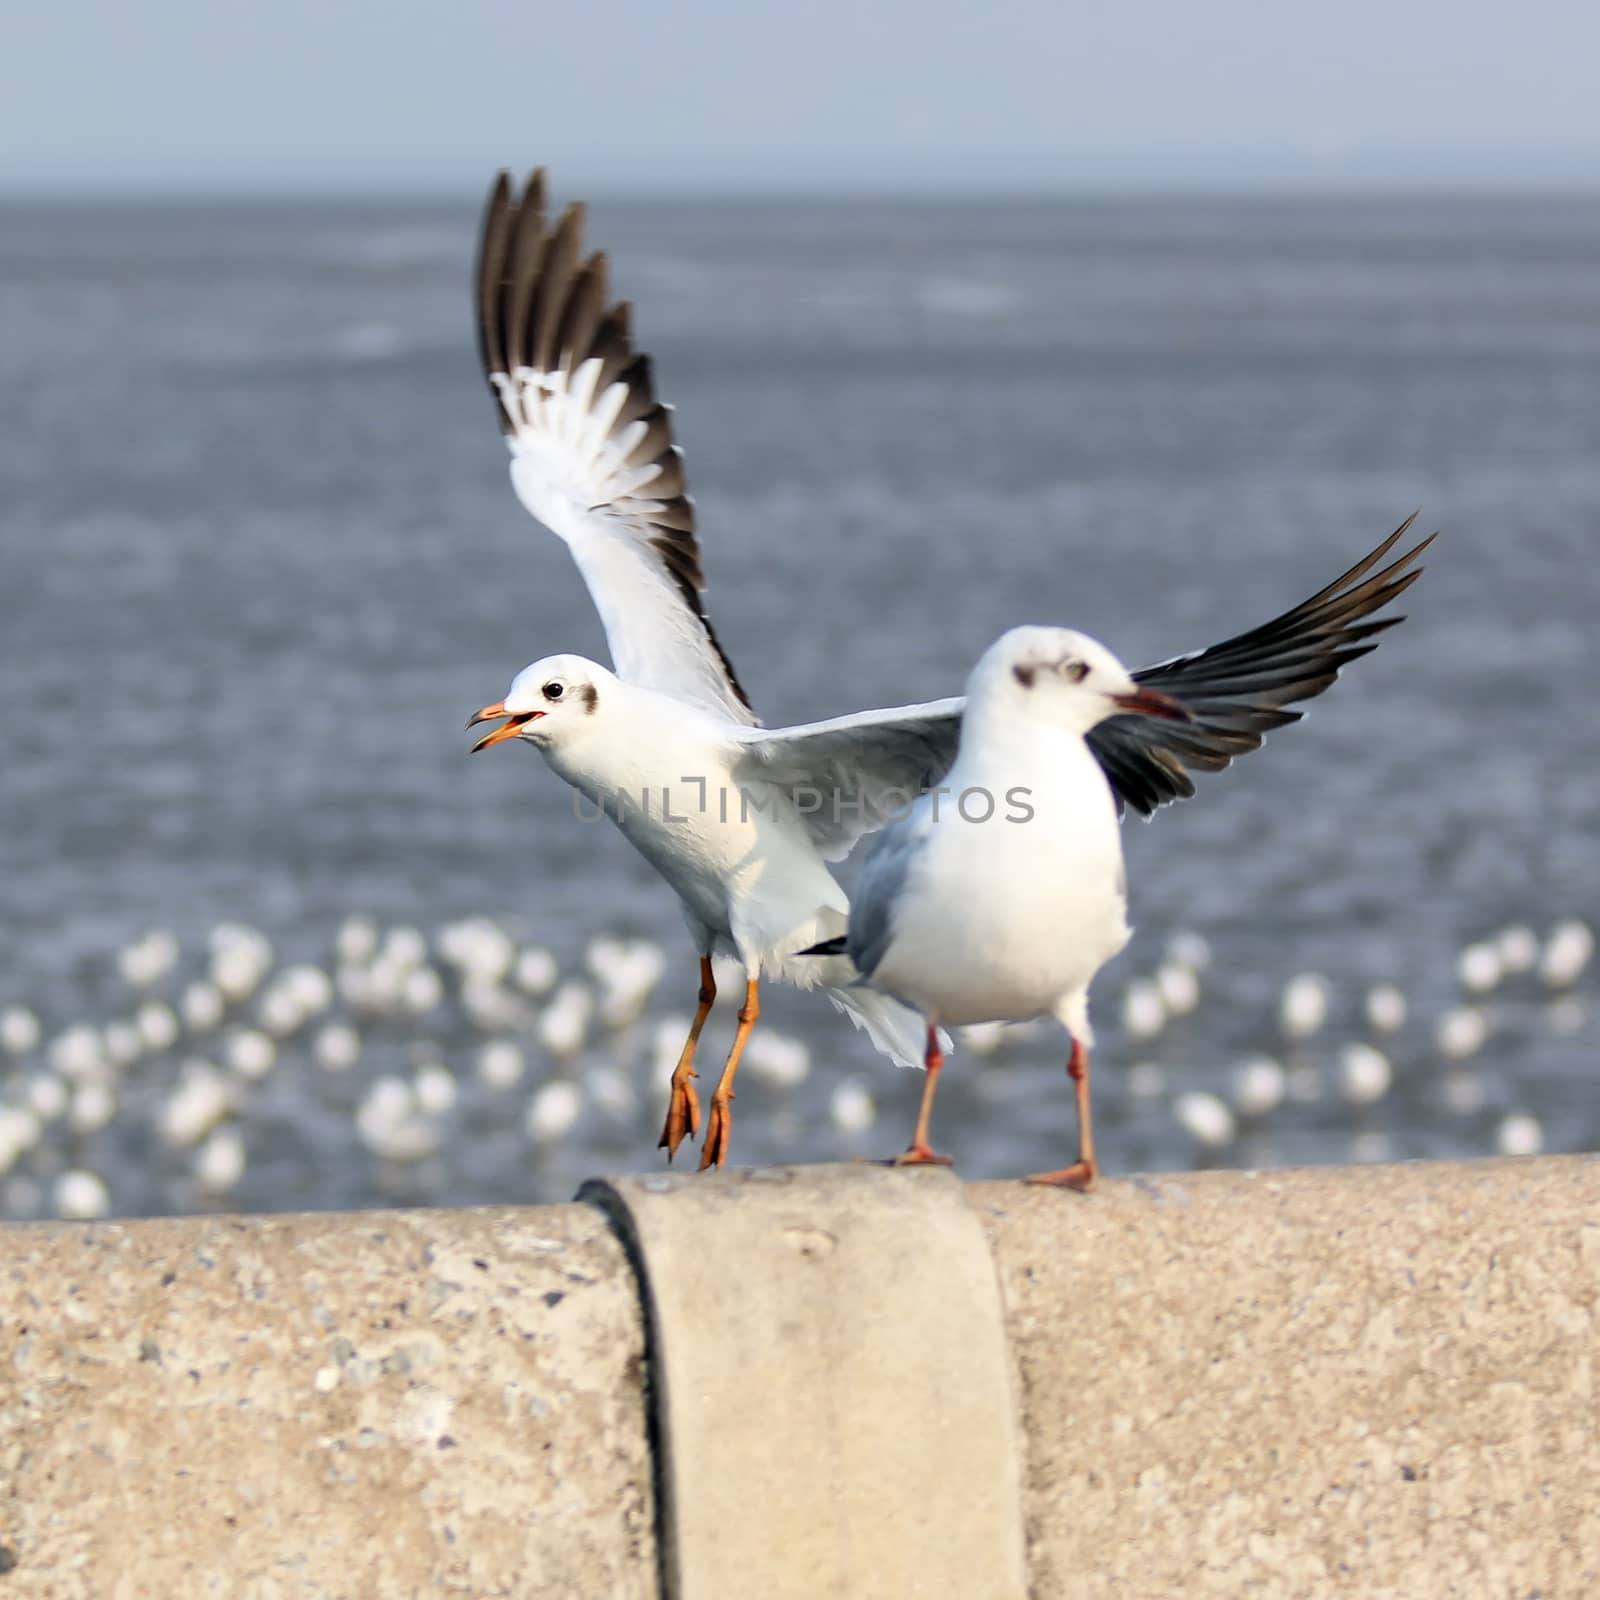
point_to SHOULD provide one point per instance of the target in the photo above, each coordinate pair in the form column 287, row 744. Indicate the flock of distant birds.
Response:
column 1262, row 1083
column 213, row 1031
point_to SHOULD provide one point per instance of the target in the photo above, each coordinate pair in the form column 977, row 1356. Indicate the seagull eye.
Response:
column 1075, row 671
column 552, row 691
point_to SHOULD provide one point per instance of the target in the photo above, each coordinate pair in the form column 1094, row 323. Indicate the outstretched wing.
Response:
column 1237, row 690
column 592, row 455
column 851, row 774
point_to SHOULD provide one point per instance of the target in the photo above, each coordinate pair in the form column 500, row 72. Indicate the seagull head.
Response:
column 551, row 698
column 1066, row 678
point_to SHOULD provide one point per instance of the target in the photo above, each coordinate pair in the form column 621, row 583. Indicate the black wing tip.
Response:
column 1326, row 633
column 1347, row 582
column 1401, row 573
column 828, row 947
column 1416, row 550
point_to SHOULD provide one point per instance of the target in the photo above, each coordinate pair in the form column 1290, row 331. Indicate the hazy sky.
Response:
column 638, row 95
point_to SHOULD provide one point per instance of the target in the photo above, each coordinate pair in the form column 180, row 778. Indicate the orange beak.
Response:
column 518, row 721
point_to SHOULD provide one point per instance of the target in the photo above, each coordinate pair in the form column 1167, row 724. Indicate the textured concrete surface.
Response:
column 421, row 1403
column 1375, row 1383
column 836, row 1402
column 1370, row 1382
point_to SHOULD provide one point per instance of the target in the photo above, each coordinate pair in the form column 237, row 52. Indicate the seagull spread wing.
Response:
column 592, row 455
column 851, row 774
column 1237, row 690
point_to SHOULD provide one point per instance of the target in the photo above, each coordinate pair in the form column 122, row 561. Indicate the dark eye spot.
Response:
column 1075, row 671
column 552, row 691
column 1023, row 675
column 590, row 697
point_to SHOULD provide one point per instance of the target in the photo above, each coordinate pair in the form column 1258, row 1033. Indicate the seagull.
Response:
column 740, row 820
column 970, row 915
column 593, row 459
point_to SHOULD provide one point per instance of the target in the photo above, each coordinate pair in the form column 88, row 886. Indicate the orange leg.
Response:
column 917, row 1153
column 1082, row 1173
column 683, row 1110
column 714, row 1152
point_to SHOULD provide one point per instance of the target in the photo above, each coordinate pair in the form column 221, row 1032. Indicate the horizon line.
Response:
column 1221, row 171
column 1276, row 188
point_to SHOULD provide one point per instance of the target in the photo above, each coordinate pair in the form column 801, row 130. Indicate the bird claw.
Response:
column 683, row 1115
column 719, row 1131
column 1080, row 1176
column 919, row 1155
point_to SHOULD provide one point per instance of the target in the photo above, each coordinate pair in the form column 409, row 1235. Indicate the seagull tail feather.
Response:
column 895, row 1030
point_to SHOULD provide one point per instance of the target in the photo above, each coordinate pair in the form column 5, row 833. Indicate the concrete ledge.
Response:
column 1374, row 1382
column 1353, row 1381
column 407, row 1403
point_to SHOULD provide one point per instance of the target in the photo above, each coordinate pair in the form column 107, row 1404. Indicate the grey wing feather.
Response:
column 851, row 775
column 1237, row 690
column 877, row 895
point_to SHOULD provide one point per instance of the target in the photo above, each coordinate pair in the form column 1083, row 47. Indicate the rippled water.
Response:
column 261, row 558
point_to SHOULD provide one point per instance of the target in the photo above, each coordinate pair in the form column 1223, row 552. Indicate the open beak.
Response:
column 1153, row 703
column 518, row 721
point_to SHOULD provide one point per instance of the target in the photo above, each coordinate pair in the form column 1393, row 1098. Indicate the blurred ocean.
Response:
column 261, row 559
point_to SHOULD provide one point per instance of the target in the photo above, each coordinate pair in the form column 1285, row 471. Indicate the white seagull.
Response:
column 741, row 820
column 972, row 916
